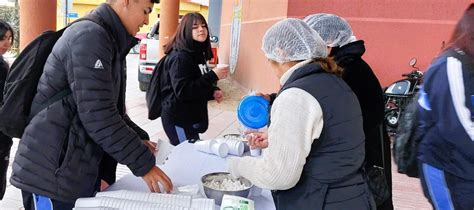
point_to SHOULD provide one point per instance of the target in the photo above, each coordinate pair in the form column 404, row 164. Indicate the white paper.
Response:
column 158, row 198
column 164, row 149
column 203, row 204
column 122, row 204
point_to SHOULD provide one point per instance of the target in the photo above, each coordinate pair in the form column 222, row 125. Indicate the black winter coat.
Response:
column 62, row 146
column 3, row 75
column 187, row 86
column 362, row 80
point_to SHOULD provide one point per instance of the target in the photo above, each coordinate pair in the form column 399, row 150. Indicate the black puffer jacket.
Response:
column 62, row 147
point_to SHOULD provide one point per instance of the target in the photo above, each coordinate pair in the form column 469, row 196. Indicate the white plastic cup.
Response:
column 222, row 66
column 220, row 149
column 236, row 147
column 204, row 145
column 255, row 152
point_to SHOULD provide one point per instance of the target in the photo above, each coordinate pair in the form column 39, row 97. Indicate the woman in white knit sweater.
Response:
column 314, row 148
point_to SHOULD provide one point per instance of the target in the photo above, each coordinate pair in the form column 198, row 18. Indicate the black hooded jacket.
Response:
column 187, row 86
column 362, row 80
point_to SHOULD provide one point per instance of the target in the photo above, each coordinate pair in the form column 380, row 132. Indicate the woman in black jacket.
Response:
column 6, row 41
column 348, row 51
column 187, row 82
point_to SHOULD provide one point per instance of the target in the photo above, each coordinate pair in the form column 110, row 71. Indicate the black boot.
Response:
column 5, row 146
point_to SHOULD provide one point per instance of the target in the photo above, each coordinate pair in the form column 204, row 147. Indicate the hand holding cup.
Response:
column 221, row 70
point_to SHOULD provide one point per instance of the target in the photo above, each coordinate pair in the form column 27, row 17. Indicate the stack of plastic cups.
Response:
column 212, row 147
column 235, row 147
column 252, row 113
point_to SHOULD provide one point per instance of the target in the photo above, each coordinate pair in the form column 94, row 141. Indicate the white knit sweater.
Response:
column 296, row 121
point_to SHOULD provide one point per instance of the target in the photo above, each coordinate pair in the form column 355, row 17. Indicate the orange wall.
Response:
column 394, row 32
column 35, row 18
column 253, row 70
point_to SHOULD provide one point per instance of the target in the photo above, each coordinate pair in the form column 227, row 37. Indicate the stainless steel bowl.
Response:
column 218, row 194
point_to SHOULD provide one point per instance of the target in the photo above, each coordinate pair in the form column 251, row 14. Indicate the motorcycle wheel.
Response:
column 392, row 117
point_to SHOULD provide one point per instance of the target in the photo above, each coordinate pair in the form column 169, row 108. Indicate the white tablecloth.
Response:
column 186, row 166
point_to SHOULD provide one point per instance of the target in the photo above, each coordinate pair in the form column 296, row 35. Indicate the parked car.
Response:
column 135, row 49
column 148, row 56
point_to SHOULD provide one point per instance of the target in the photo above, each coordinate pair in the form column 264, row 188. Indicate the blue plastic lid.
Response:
column 252, row 112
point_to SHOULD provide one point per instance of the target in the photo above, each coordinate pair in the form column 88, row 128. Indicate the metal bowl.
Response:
column 218, row 194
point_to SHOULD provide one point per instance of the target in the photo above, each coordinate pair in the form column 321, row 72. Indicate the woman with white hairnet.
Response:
column 314, row 148
column 347, row 51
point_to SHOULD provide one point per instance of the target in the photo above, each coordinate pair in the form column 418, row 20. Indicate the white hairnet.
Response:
column 334, row 30
column 292, row 40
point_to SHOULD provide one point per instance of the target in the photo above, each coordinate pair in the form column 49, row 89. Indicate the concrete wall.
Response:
column 394, row 31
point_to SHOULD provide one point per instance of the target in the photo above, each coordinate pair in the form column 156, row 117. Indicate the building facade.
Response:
column 394, row 32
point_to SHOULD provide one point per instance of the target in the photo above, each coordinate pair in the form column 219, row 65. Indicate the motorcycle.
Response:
column 399, row 94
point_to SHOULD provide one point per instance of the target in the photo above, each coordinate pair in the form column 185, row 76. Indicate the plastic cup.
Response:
column 204, row 145
column 222, row 66
column 220, row 149
column 255, row 152
column 236, row 147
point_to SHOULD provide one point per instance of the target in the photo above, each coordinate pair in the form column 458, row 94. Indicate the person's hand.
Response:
column 221, row 72
column 257, row 140
column 218, row 95
column 151, row 145
column 265, row 96
column 156, row 176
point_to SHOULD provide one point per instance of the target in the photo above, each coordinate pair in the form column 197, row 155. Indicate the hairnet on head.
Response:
column 292, row 40
column 334, row 30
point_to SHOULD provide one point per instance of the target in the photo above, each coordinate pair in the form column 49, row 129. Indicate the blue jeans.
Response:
column 33, row 201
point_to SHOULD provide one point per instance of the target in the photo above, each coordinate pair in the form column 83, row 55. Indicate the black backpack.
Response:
column 17, row 109
column 153, row 93
column 407, row 139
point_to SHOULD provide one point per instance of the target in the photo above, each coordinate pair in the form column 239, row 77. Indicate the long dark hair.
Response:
column 463, row 35
column 4, row 27
column 183, row 38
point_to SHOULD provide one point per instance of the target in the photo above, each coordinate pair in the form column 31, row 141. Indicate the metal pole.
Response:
column 169, row 13
column 215, row 10
column 65, row 2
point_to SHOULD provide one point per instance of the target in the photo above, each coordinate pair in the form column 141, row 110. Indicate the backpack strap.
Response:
column 35, row 107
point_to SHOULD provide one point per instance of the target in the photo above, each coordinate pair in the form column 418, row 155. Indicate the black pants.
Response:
column 37, row 202
column 5, row 146
column 177, row 134
column 373, row 156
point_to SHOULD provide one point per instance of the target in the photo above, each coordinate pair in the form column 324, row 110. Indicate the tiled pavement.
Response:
column 407, row 194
